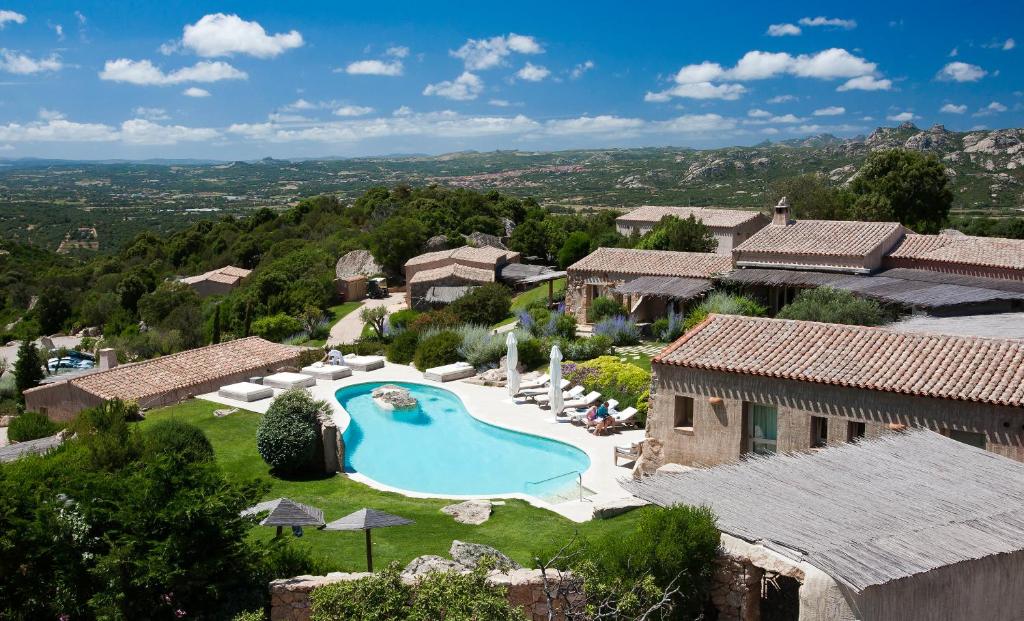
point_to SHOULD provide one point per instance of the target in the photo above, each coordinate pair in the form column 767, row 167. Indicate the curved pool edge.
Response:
column 346, row 418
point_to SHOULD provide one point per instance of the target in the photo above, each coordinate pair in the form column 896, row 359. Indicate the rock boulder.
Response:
column 470, row 512
column 470, row 554
column 393, row 397
column 430, row 563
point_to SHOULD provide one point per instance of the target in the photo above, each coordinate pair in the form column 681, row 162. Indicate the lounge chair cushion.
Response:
column 364, row 363
column 285, row 381
column 245, row 391
column 449, row 372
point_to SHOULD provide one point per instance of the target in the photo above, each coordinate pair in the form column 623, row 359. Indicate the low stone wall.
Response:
column 736, row 589
column 290, row 597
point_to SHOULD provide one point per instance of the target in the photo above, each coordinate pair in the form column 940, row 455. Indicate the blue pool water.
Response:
column 438, row 448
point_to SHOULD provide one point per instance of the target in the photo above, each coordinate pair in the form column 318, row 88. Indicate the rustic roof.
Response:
column 17, row 450
column 523, row 273
column 711, row 217
column 653, row 263
column 927, row 365
column 866, row 513
column 962, row 250
column 286, row 512
column 139, row 380
column 829, row 238
column 453, row 269
column 229, row 274
column 482, row 254
column 446, row 294
column 366, row 519
column 671, row 287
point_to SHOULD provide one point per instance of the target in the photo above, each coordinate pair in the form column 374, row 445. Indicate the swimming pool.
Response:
column 439, row 448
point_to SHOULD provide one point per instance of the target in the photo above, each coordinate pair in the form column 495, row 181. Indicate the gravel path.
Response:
column 351, row 326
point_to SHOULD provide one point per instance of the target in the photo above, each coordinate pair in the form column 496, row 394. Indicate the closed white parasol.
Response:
column 512, row 360
column 555, row 388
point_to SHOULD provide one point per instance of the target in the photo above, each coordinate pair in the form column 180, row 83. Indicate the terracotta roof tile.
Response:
column 482, row 254
column 821, row 238
column 228, row 274
column 714, row 218
column 139, row 380
column 653, row 263
column 453, row 269
column 962, row 250
column 930, row 365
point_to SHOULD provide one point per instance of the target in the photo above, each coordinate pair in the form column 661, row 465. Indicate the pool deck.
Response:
column 493, row 405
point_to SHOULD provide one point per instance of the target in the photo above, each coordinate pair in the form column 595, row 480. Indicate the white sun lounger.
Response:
column 625, row 417
column 531, row 392
column 591, row 398
column 245, row 391
column 449, row 372
column 568, row 394
column 285, row 381
column 364, row 363
column 539, row 382
column 323, row 371
column 580, row 416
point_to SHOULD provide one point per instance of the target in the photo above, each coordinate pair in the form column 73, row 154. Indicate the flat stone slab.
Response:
column 245, row 391
column 470, row 512
column 618, row 506
column 286, row 380
column 327, row 371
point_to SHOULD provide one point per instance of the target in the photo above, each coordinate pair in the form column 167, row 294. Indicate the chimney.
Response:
column 108, row 358
column 781, row 216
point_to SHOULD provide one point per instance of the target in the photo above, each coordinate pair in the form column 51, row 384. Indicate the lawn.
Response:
column 336, row 313
column 529, row 296
column 516, row 528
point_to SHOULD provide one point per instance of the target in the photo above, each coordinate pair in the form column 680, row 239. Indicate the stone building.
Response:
column 164, row 380
column 220, row 281
column 730, row 227
column 647, row 282
column 461, row 267
column 910, row 526
column 737, row 385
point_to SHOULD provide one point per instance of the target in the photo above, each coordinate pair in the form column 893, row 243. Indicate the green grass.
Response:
column 528, row 297
column 336, row 313
column 516, row 528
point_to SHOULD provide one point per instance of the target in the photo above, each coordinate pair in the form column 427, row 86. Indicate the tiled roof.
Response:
column 228, row 274
column 930, row 365
column 653, row 263
column 139, row 380
column 715, row 218
column 455, row 269
column 482, row 254
column 963, row 250
column 834, row 238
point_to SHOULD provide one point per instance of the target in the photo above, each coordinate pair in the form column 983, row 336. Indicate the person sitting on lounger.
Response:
column 591, row 415
column 603, row 419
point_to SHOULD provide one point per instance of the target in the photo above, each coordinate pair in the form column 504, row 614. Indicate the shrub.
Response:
column 485, row 306
column 604, row 307
column 440, row 319
column 403, row 347
column 252, row 615
column 679, row 234
column 28, row 368
column 437, row 350
column 178, row 440
column 620, row 330
column 400, row 320
column 287, row 435
column 627, row 383
column 364, row 347
column 31, row 426
column 723, row 304
column 834, row 306
column 276, row 327
column 586, row 348
column 668, row 328
column 532, row 353
column 376, row 317
column 480, row 346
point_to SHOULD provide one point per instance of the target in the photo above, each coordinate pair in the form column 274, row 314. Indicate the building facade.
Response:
column 465, row 266
column 221, row 281
column 731, row 227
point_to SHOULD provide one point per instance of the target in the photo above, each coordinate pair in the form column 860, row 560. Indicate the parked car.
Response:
column 377, row 288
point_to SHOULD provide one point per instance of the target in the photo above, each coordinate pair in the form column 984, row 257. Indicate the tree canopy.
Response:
column 680, row 234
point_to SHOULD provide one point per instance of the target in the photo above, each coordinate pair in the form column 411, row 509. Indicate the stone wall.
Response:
column 290, row 597
column 736, row 588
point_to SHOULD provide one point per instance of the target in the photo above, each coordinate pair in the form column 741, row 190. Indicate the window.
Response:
column 856, row 430
column 819, row 431
column 682, row 415
column 968, row 437
column 762, row 429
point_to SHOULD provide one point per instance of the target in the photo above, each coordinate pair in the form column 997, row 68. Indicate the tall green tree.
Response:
column 576, row 246
column 396, row 241
column 812, row 198
column 683, row 235
column 28, row 370
column 52, row 309
column 904, row 186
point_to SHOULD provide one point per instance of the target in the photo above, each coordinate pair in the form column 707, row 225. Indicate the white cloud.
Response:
column 865, row 83
column 830, row 111
column 699, row 90
column 533, row 73
column 219, row 34
column 153, row 114
column 953, row 108
column 961, row 72
column 300, row 104
column 703, row 72
column 463, row 88
column 902, row 117
column 783, row 30
column 763, row 117
column 758, row 113
column 760, row 65
column 133, row 131
column 50, row 115
column 581, row 68
column 500, row 103
column 397, row 51
column 195, row 91
column 834, row 22
column 480, row 54
column 58, row 30
column 953, row 53
column 831, row 63
column 602, row 124
column 693, row 124
column 781, row 99
column 143, row 131
column 1009, row 44
column 375, row 67
column 993, row 108
column 353, row 111
column 11, row 17
column 16, row 62
column 145, row 73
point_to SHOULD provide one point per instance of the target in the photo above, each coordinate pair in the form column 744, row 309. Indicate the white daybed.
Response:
column 245, row 391
column 364, row 363
column 323, row 371
column 286, row 380
column 449, row 372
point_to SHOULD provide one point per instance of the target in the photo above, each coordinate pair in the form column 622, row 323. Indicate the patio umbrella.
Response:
column 366, row 520
column 286, row 512
column 555, row 388
column 512, row 361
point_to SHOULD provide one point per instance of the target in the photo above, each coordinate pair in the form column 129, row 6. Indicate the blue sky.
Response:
column 303, row 79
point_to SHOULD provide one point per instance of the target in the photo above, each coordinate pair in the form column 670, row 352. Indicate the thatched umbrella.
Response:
column 366, row 520
column 286, row 512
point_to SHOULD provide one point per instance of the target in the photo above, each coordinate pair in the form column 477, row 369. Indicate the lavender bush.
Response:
column 619, row 329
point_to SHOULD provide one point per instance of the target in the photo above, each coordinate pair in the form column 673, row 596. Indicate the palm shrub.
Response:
column 604, row 307
column 723, row 304
column 287, row 435
column 437, row 349
column 31, row 426
column 619, row 329
column 829, row 305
